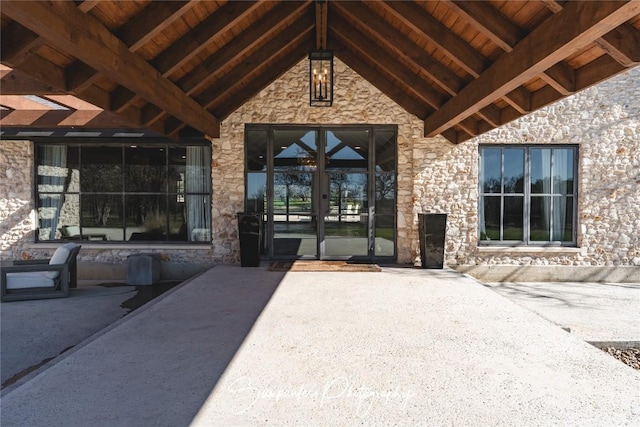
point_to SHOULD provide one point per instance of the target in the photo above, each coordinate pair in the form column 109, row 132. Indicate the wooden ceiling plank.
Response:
column 262, row 80
column 469, row 126
column 505, row 34
column 577, row 25
column 395, row 40
column 87, row 39
column 622, row 44
column 267, row 27
column 135, row 33
column 247, row 68
column 411, row 81
column 456, row 48
column 489, row 21
column 364, row 69
column 322, row 10
column 192, row 43
column 152, row 20
column 120, row 98
column 544, row 96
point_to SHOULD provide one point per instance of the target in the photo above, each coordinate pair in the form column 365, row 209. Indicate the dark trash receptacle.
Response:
column 249, row 230
column 432, row 235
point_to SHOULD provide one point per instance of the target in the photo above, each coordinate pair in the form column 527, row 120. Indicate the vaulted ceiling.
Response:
column 464, row 67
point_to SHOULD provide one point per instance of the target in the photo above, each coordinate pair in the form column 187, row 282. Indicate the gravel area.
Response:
column 629, row 356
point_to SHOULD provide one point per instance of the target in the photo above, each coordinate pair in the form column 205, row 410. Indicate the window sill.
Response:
column 545, row 250
column 128, row 246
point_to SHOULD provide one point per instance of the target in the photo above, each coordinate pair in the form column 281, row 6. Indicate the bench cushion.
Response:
column 31, row 279
column 60, row 256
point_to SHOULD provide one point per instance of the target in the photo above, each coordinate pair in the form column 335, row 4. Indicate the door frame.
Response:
column 322, row 175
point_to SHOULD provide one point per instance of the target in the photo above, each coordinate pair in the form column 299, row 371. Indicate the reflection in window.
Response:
column 121, row 192
column 527, row 194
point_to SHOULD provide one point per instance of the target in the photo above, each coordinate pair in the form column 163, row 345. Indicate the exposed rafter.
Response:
column 99, row 48
column 577, row 25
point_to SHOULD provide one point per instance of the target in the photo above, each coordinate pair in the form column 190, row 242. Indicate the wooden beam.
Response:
column 561, row 77
column 15, row 82
column 622, row 44
column 364, row 68
column 506, row 35
column 520, row 99
column 491, row 114
column 419, row 20
column 380, row 30
column 276, row 21
column 87, row 39
column 322, row 11
column 596, row 71
column 489, row 21
column 153, row 19
column 566, row 32
column 408, row 79
column 18, row 43
column 202, row 35
column 251, row 66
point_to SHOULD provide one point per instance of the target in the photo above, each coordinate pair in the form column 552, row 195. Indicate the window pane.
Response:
column 540, row 218
column 256, row 190
column 146, row 217
column 514, row 170
column 490, row 169
column 256, row 150
column 177, row 218
column 347, row 149
column 385, row 193
column 102, row 214
column 295, row 150
column 58, row 169
column 385, row 235
column 292, row 193
column 101, row 169
column 145, row 169
column 563, row 170
column 541, row 170
column 58, row 213
column 563, row 219
column 513, row 210
column 385, row 150
column 490, row 218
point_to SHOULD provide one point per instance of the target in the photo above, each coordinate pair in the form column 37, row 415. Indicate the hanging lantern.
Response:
column 321, row 78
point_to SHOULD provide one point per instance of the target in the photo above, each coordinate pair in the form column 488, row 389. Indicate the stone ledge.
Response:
column 551, row 273
column 530, row 250
column 124, row 246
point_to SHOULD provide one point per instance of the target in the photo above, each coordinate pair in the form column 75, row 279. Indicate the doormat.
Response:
column 323, row 266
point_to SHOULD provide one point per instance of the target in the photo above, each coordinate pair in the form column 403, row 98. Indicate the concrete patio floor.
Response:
column 245, row 346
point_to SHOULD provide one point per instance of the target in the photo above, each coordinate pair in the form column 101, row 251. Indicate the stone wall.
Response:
column 604, row 121
column 434, row 175
column 286, row 101
column 16, row 198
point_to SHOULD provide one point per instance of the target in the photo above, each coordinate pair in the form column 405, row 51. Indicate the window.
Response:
column 123, row 192
column 527, row 195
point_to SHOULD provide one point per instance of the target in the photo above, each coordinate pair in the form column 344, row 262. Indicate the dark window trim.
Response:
column 526, row 242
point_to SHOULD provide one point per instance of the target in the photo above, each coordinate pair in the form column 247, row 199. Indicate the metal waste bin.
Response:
column 432, row 228
column 249, row 230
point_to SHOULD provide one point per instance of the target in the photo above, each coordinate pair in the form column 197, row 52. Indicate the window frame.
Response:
column 123, row 145
column 527, row 195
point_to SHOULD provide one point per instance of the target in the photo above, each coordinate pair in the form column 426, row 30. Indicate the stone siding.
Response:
column 433, row 174
column 16, row 198
column 604, row 121
column 286, row 101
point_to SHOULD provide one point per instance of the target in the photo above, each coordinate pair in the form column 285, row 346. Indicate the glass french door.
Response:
column 318, row 189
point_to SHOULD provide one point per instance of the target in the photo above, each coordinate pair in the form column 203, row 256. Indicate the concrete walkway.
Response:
column 244, row 346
